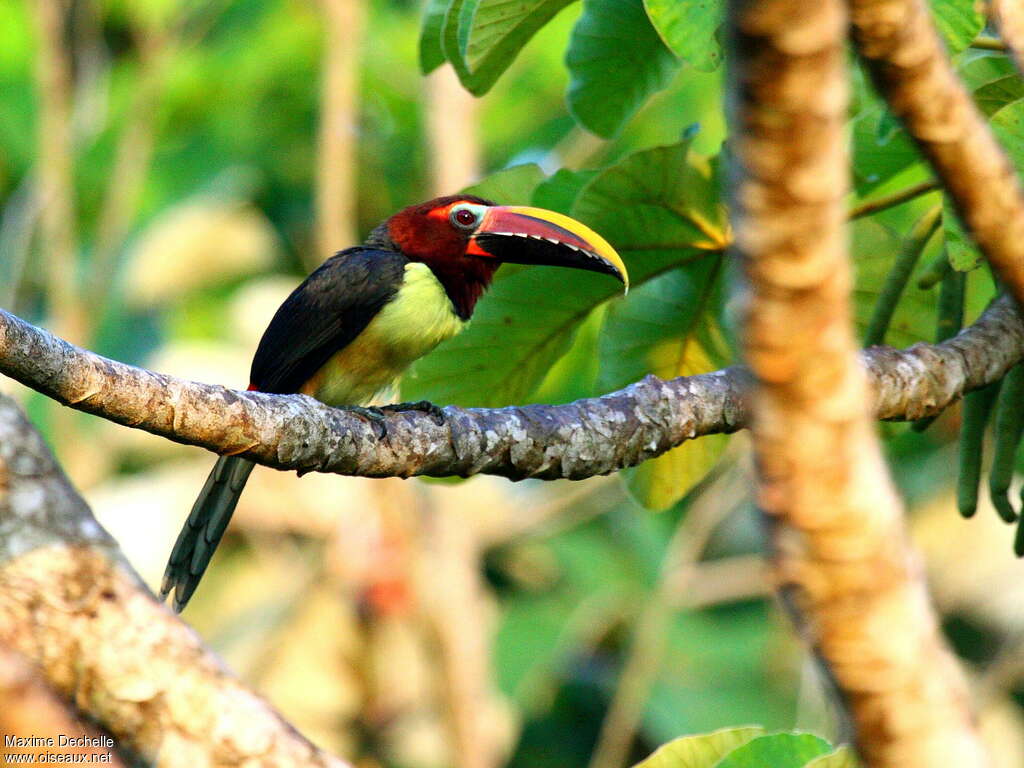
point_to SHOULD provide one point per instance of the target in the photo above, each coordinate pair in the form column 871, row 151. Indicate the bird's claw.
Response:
column 423, row 406
column 374, row 415
column 377, row 416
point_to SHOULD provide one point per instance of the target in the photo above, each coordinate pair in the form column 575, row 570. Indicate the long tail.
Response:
column 204, row 528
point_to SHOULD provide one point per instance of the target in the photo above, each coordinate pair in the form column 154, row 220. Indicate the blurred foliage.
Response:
column 749, row 748
column 610, row 111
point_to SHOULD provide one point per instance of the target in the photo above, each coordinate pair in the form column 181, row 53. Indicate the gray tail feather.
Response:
column 204, row 528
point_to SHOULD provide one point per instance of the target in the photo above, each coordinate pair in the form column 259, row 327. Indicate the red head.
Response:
column 464, row 239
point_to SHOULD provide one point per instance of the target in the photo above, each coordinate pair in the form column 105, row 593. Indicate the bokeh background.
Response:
column 159, row 203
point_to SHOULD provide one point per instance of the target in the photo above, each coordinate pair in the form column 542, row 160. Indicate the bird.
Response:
column 351, row 328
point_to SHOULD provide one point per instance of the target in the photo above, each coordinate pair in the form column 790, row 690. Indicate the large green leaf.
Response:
column 959, row 21
column 994, row 95
column 510, row 186
column 453, row 39
column 702, row 751
column 560, row 190
column 668, row 327
column 616, row 60
column 881, row 148
column 1008, row 124
column 778, row 750
column 431, row 51
column 688, row 28
column 499, row 29
column 482, row 37
column 659, row 208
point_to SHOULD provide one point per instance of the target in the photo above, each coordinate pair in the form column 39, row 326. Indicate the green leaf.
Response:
column 875, row 247
column 701, row 751
column 688, row 28
column 431, row 51
column 995, row 95
column 778, row 750
column 616, row 61
column 978, row 68
column 453, row 39
column 667, row 327
column 881, row 148
column 510, row 186
column 658, row 208
column 959, row 21
column 483, row 37
column 1008, row 125
column 559, row 192
column 960, row 248
column 499, row 29
column 843, row 757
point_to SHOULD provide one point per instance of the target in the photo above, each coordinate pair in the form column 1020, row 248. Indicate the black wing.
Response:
column 323, row 315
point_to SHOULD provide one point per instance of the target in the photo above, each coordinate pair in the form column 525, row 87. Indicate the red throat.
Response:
column 424, row 233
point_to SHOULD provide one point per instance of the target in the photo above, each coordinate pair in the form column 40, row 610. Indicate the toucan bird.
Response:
column 358, row 321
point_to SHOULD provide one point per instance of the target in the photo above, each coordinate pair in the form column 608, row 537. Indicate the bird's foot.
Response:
column 376, row 417
column 424, row 406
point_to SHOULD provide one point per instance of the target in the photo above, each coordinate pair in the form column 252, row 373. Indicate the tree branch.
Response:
column 840, row 548
column 70, row 604
column 30, row 710
column 909, row 65
column 582, row 439
column 869, row 207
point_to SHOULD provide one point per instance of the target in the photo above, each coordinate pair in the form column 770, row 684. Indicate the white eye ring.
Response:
column 460, row 220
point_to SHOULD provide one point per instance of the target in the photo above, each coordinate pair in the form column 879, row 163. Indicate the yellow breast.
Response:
column 419, row 318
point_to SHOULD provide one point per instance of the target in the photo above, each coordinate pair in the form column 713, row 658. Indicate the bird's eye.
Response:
column 464, row 218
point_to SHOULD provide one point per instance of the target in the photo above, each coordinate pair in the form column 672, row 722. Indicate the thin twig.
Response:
column 885, row 202
column 986, row 43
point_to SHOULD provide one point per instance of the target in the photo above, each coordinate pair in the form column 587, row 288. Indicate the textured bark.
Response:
column 71, row 605
column 30, row 710
column 910, row 67
column 840, row 548
column 575, row 441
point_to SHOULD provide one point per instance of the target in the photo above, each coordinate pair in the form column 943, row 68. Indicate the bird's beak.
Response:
column 521, row 235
